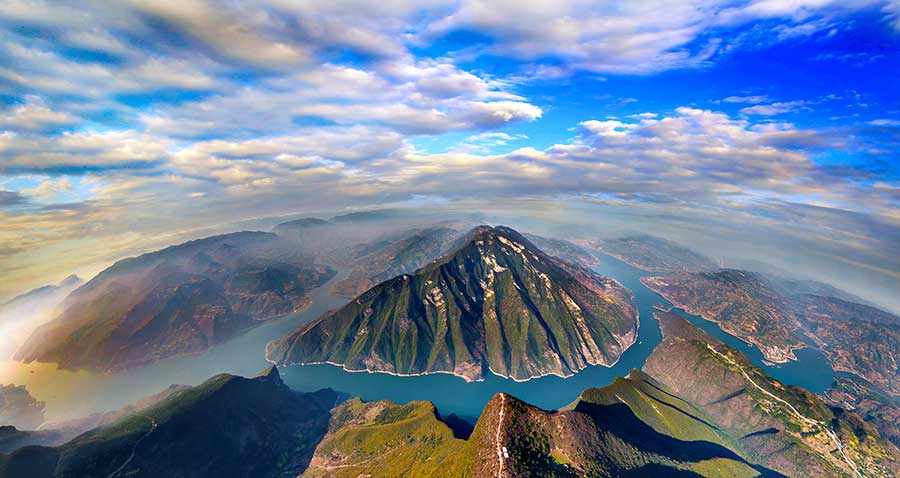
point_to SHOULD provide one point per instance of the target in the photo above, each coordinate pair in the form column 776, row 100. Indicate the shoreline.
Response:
column 446, row 372
column 749, row 341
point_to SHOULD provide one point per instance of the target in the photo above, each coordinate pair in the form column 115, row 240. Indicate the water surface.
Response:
column 70, row 394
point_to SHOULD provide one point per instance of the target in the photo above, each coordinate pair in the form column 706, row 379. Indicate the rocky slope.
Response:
column 228, row 426
column 495, row 303
column 182, row 299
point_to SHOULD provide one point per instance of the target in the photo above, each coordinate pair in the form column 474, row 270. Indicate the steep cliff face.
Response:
column 495, row 303
column 179, row 300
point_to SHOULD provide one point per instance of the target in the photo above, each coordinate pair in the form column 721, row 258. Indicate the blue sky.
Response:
column 130, row 125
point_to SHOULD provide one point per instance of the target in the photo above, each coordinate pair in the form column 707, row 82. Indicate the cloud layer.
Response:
column 128, row 125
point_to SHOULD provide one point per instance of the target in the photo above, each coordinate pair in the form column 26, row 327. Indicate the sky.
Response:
column 765, row 128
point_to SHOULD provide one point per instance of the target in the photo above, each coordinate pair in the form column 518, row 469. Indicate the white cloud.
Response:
column 746, row 99
column 33, row 115
column 776, row 108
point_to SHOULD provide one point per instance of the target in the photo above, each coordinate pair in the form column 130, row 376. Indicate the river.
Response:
column 73, row 394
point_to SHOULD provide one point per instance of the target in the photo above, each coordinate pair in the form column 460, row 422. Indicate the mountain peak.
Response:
column 70, row 281
column 495, row 304
column 270, row 372
column 485, row 231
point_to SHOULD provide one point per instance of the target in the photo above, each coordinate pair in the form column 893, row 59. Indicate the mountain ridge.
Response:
column 450, row 316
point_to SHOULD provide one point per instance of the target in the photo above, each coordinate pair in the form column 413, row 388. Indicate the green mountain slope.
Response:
column 495, row 303
column 228, row 426
column 631, row 428
column 784, row 428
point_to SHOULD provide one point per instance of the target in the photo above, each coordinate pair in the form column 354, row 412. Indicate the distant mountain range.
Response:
column 48, row 293
column 698, row 409
column 20, row 315
column 371, row 247
column 652, row 254
column 495, row 303
column 182, row 299
column 394, row 255
column 856, row 338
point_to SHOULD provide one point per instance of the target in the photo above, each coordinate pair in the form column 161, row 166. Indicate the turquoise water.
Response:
column 70, row 395
column 454, row 395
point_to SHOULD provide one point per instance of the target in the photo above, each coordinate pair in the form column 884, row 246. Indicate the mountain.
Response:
column 630, row 428
column 19, row 316
column 698, row 409
column 786, row 286
column 744, row 304
column 739, row 422
column 873, row 405
column 653, row 254
column 496, row 303
column 565, row 250
column 57, row 433
column 403, row 253
column 179, row 300
column 783, row 428
column 11, row 438
column 227, row 426
column 855, row 338
column 25, row 303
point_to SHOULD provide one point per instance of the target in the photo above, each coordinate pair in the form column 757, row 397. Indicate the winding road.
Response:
column 828, row 431
column 134, row 450
column 500, row 453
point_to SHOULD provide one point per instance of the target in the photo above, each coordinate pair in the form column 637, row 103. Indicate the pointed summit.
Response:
column 270, row 372
column 496, row 304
